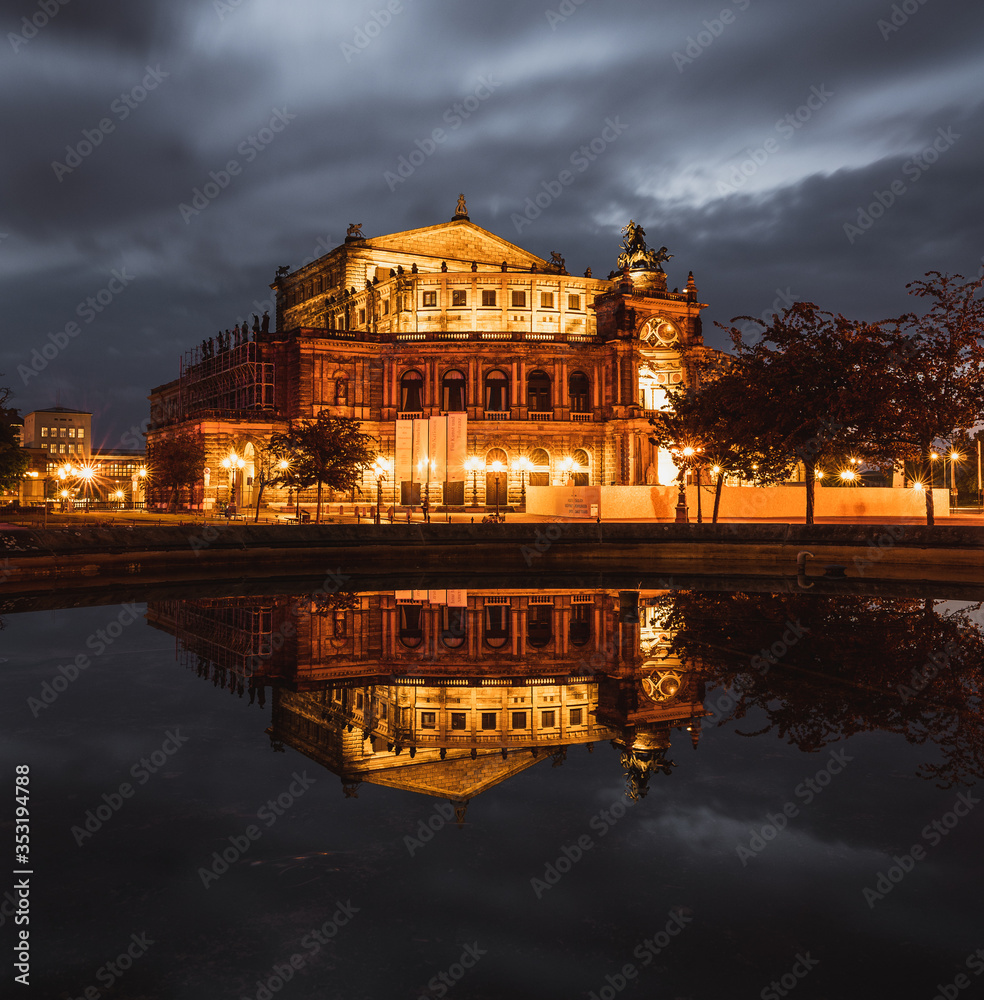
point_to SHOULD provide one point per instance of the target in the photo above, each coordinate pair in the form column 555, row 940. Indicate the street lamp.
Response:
column 472, row 465
column 933, row 456
column 954, row 456
column 524, row 466
column 497, row 468
column 379, row 470
column 232, row 462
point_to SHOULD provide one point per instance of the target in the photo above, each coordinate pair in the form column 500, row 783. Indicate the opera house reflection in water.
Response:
column 445, row 692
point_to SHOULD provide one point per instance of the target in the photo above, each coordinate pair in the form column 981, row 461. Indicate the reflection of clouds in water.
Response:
column 704, row 831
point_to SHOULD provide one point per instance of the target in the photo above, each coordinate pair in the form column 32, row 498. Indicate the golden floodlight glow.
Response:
column 848, row 474
column 918, row 486
column 497, row 467
column 955, row 456
column 818, row 473
column 716, row 469
column 933, row 455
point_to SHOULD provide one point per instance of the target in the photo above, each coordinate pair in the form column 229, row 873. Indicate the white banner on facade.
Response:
column 437, row 596
column 404, row 451
column 420, row 428
column 457, row 448
column 457, row 598
column 438, row 448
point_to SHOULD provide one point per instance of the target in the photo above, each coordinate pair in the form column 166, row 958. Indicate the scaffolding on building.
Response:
column 230, row 379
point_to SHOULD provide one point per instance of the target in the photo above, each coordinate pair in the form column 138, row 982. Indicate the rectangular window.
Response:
column 488, row 297
column 61, row 431
column 81, row 433
column 428, row 720
column 44, row 432
column 386, row 307
column 71, row 432
column 519, row 720
column 459, row 297
column 430, row 299
column 457, row 720
column 547, row 719
column 573, row 301
column 488, row 720
column 362, row 315
column 546, row 300
column 519, row 300
column 61, row 449
column 576, row 716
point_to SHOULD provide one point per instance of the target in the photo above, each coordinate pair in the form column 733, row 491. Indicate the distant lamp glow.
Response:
column 818, row 473
column 918, row 486
column 848, row 475
column 716, row 469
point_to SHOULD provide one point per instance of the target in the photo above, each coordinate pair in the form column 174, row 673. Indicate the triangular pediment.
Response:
column 454, row 778
column 458, row 241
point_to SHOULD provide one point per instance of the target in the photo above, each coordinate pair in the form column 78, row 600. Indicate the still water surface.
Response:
column 486, row 794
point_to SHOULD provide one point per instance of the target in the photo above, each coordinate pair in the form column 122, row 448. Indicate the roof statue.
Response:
column 355, row 231
column 636, row 255
column 461, row 208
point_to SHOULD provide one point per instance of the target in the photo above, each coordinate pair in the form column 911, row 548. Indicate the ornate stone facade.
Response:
column 555, row 372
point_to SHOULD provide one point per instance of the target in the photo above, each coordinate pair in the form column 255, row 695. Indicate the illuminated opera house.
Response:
column 477, row 366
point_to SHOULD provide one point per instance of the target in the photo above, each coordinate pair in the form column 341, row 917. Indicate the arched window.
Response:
column 411, row 625
column 453, row 392
column 496, row 625
column 496, row 391
column 454, row 627
column 580, row 392
column 539, row 625
column 411, row 392
column 538, row 391
column 540, row 467
column 579, row 631
column 582, row 467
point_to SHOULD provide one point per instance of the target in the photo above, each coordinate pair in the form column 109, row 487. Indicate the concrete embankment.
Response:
column 32, row 560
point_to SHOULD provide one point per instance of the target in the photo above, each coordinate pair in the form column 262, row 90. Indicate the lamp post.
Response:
column 379, row 470
column 472, row 465
column 524, row 466
column 933, row 456
column 497, row 469
column 955, row 456
column 233, row 463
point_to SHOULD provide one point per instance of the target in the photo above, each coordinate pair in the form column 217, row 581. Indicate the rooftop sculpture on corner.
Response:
column 355, row 231
column 636, row 255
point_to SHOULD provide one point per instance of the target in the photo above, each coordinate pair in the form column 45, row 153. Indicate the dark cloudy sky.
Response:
column 694, row 87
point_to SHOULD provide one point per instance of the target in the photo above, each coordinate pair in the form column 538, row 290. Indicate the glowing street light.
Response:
column 472, row 465
column 379, row 469
column 524, row 465
column 954, row 457
column 497, row 469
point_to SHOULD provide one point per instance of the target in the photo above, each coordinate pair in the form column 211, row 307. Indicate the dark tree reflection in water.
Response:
column 820, row 669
